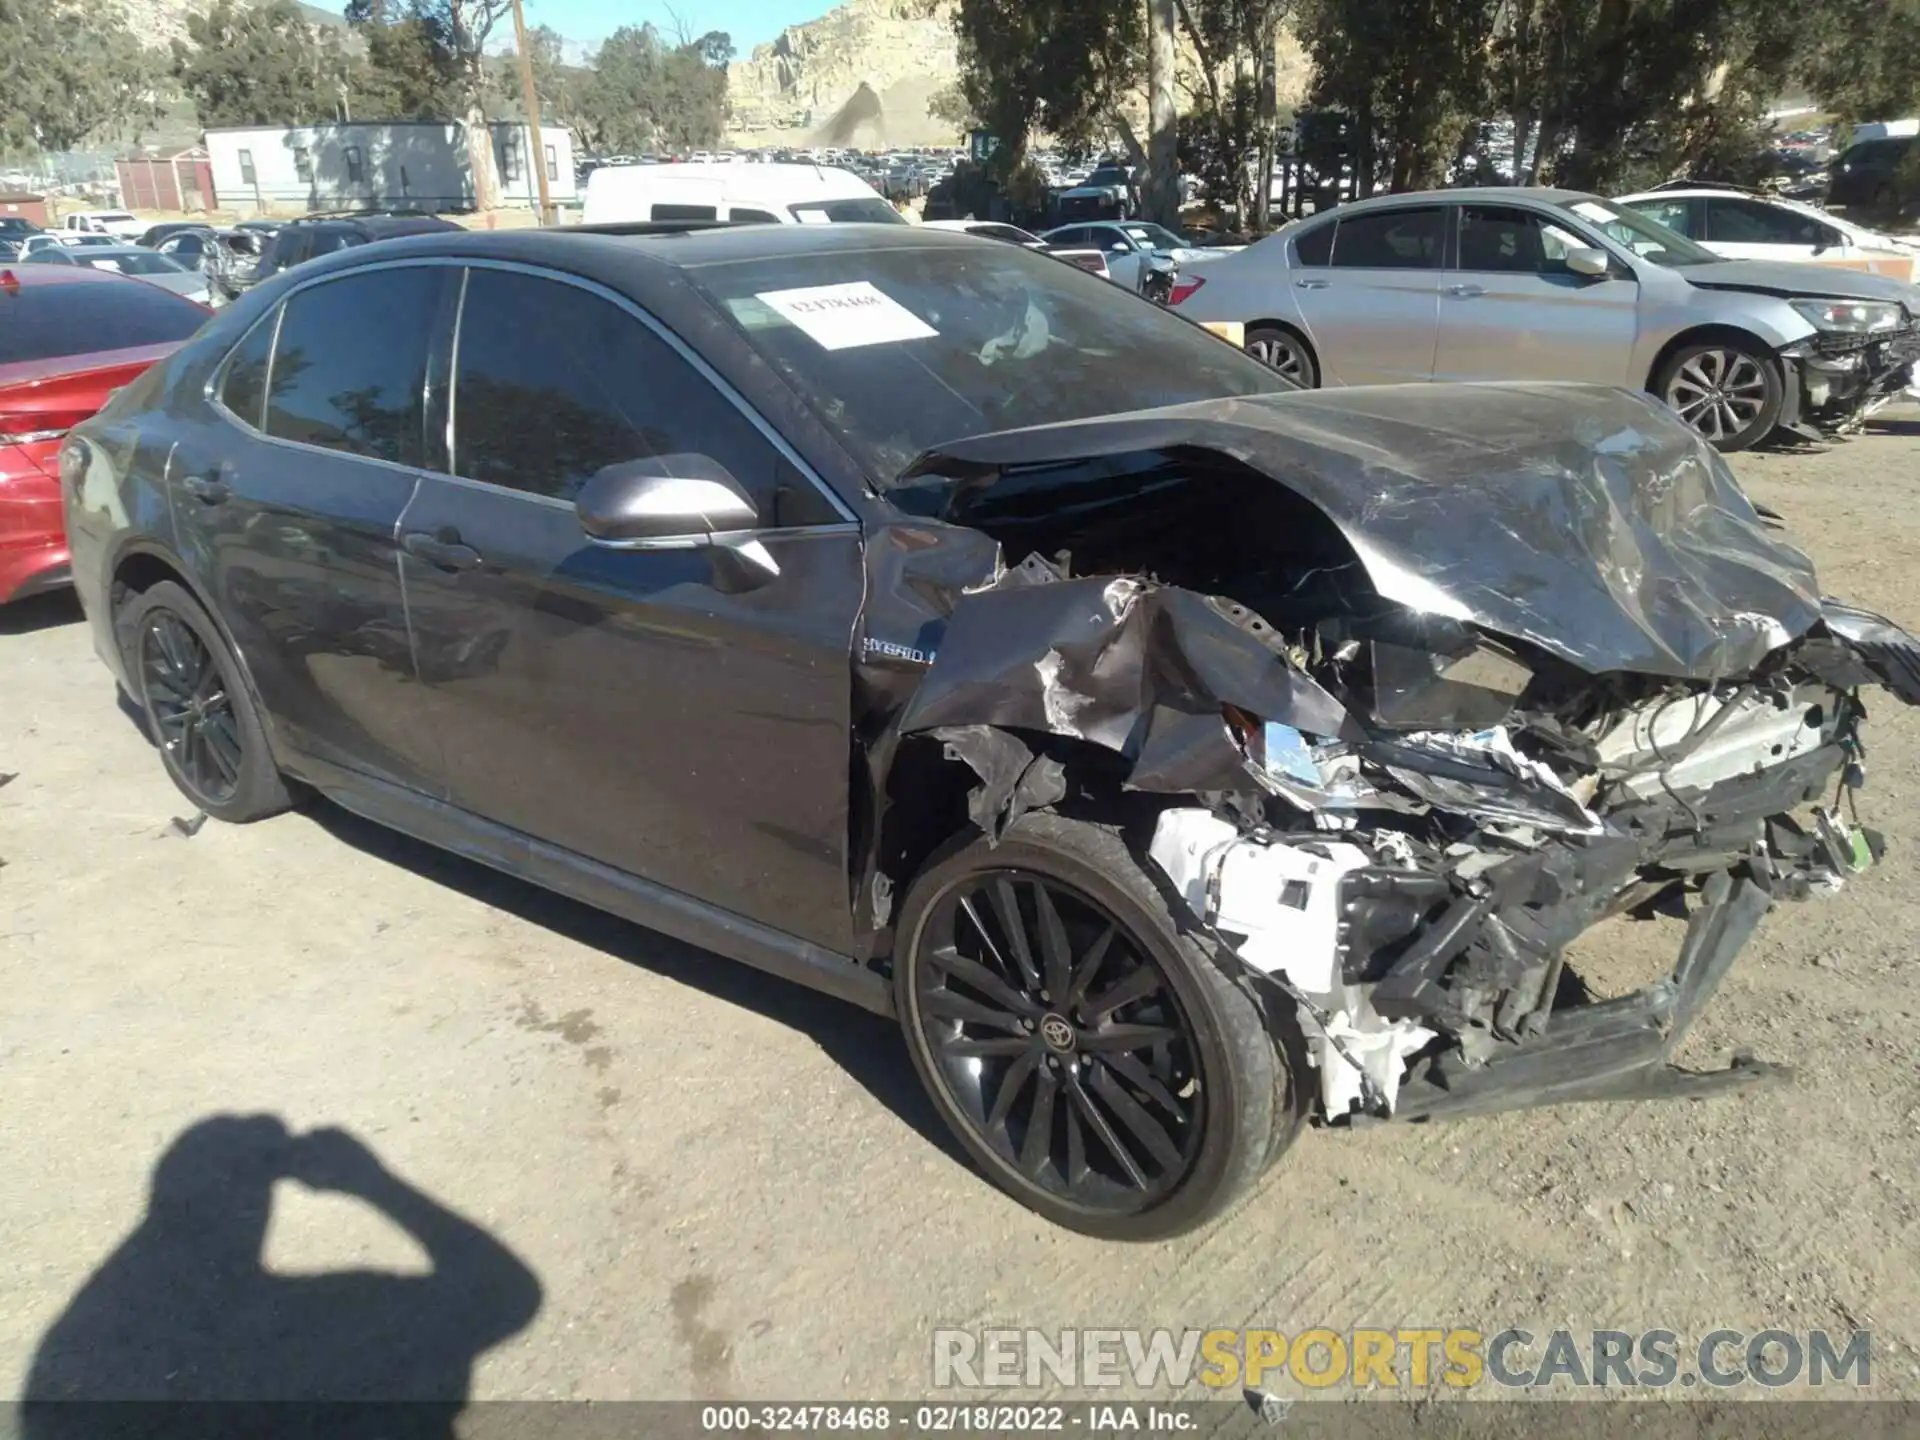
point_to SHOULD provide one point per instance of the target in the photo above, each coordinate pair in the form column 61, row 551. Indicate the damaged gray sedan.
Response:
column 1181, row 757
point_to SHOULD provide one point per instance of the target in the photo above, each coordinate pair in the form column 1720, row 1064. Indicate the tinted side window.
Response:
column 351, row 365
column 1389, row 240
column 244, row 388
column 742, row 216
column 1676, row 215
column 41, row 322
column 1504, row 238
column 1747, row 222
column 554, row 383
column 1315, row 247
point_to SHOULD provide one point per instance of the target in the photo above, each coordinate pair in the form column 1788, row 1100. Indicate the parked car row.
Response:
column 69, row 337
column 1540, row 284
column 1178, row 754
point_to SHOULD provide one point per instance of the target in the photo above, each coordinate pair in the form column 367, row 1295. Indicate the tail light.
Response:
column 1183, row 289
column 34, row 426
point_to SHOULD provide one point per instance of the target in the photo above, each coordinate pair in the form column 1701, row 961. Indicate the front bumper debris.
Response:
column 1834, row 383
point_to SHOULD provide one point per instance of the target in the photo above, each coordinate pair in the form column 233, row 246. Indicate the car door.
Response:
column 1124, row 256
column 1511, row 309
column 1744, row 229
column 1682, row 214
column 287, row 499
column 190, row 249
column 664, row 712
column 1372, row 308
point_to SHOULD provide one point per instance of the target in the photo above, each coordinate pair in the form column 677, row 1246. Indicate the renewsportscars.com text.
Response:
column 1407, row 1357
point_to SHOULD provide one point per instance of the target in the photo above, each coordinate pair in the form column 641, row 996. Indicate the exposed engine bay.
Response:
column 1496, row 665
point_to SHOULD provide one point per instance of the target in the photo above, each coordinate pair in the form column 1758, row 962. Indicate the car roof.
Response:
column 649, row 266
column 380, row 226
column 58, row 275
column 1467, row 195
column 107, row 252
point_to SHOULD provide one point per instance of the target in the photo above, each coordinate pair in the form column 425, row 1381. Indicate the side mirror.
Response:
column 664, row 502
column 1589, row 261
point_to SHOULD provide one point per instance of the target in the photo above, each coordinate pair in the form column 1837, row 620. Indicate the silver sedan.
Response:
column 1538, row 284
column 155, row 269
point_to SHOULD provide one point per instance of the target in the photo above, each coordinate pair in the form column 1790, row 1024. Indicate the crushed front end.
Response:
column 1499, row 663
column 1415, row 898
column 1836, row 381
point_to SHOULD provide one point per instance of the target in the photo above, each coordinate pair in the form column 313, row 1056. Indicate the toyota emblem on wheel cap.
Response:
column 1056, row 1032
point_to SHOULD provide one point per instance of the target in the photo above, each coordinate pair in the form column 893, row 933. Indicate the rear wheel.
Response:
column 198, row 710
column 1281, row 349
column 1092, row 1060
column 1729, row 391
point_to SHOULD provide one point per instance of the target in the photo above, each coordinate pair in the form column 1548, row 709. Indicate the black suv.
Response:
column 1873, row 174
column 853, row 601
column 303, row 240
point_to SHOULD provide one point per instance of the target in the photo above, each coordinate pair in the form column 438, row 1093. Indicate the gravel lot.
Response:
column 681, row 1178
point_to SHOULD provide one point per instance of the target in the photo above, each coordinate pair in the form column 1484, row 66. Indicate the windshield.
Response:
column 1643, row 236
column 862, row 210
column 1156, row 236
column 900, row 350
column 132, row 264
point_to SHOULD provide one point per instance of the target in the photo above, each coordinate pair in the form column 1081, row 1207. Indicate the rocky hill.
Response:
column 787, row 92
column 160, row 22
column 819, row 82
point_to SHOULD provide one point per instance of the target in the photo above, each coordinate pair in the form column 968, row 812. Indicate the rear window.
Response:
column 863, row 210
column 44, row 322
column 899, row 350
column 685, row 212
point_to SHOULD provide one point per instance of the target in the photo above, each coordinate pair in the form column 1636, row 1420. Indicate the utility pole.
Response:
column 530, row 102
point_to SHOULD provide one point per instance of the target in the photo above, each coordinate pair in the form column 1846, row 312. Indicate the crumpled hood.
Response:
column 1786, row 279
column 1588, row 521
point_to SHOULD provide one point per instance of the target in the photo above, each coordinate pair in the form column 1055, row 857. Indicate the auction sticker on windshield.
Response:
column 840, row 317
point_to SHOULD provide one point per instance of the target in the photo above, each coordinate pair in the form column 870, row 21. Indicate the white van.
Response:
column 780, row 194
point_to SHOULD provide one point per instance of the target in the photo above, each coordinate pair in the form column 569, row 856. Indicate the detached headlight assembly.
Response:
column 1851, row 317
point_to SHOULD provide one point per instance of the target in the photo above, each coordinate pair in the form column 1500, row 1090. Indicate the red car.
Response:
column 68, row 339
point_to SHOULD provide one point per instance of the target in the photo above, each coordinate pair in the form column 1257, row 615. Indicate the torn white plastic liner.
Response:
column 1284, row 900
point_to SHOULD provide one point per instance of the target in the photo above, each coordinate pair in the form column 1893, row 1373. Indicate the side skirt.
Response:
column 671, row 912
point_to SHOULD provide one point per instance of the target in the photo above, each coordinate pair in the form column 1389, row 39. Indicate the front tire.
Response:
column 1090, row 1057
column 199, row 712
column 1281, row 349
column 1728, row 391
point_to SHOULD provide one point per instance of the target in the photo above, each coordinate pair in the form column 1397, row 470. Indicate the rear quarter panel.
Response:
column 1247, row 285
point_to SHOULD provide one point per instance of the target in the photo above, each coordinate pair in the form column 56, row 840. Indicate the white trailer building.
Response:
column 389, row 165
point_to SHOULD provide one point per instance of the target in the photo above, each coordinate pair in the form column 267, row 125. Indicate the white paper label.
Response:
column 840, row 317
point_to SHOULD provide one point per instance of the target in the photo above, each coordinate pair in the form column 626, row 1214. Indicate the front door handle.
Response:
column 1311, row 284
column 207, row 489
column 443, row 550
column 1466, row 292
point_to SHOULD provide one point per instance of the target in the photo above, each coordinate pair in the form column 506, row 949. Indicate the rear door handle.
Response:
column 1466, row 292
column 1311, row 284
column 443, row 550
column 207, row 489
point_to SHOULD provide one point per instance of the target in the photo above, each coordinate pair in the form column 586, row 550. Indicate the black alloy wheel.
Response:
column 191, row 709
column 1061, row 1040
column 1094, row 1060
column 199, row 710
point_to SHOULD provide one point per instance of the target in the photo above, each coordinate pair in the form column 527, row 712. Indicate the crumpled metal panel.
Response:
column 1585, row 520
column 1890, row 654
column 1137, row 668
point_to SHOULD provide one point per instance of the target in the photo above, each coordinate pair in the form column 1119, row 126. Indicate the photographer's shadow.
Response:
column 185, row 1309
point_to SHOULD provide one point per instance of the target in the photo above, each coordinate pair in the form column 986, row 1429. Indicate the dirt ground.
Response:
column 685, row 1179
